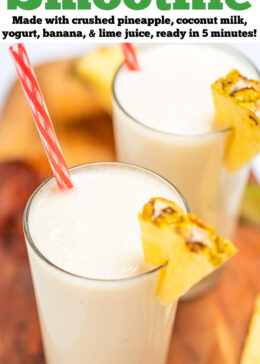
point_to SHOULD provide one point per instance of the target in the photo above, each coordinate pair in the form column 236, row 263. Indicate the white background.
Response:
column 251, row 15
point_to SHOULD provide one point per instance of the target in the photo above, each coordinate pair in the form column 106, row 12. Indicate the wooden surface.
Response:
column 82, row 126
column 209, row 330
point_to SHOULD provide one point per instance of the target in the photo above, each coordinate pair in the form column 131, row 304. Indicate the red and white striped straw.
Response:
column 130, row 56
column 41, row 116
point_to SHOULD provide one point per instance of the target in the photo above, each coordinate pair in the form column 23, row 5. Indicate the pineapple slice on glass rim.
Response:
column 237, row 106
column 188, row 248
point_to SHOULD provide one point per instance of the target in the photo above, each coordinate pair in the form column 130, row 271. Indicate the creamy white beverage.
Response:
column 164, row 121
column 96, row 298
column 171, row 91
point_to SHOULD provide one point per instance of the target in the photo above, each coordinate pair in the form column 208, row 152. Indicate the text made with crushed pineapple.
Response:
column 127, row 28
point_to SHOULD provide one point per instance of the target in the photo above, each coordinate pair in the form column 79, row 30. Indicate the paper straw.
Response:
column 41, row 116
column 130, row 56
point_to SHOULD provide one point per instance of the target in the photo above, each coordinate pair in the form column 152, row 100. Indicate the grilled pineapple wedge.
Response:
column 188, row 247
column 99, row 67
column 251, row 352
column 237, row 105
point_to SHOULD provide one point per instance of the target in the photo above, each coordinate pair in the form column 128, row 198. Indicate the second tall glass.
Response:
column 193, row 162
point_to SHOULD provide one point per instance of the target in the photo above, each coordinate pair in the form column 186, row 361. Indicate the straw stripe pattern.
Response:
column 130, row 56
column 41, row 116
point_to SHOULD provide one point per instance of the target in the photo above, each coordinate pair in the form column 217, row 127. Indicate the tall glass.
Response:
column 194, row 163
column 96, row 321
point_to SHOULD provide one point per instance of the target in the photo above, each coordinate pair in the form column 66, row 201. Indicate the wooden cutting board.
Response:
column 209, row 330
column 82, row 126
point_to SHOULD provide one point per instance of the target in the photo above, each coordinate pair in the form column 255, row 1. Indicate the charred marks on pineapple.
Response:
column 168, row 210
column 242, row 84
column 194, row 246
column 235, row 90
column 194, row 219
column 160, row 214
column 230, row 81
column 197, row 238
column 160, row 209
column 254, row 120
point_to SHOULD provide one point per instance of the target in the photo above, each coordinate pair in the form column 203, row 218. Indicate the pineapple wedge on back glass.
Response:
column 164, row 120
column 237, row 103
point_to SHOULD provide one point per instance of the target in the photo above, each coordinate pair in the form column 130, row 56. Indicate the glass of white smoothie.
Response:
column 96, row 297
column 164, row 120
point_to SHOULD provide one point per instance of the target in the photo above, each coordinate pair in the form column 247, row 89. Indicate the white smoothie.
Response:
column 164, row 121
column 171, row 91
column 108, row 312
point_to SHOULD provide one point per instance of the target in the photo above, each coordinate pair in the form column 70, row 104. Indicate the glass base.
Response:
column 203, row 286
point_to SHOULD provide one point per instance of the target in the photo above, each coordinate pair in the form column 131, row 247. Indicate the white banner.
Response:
column 123, row 24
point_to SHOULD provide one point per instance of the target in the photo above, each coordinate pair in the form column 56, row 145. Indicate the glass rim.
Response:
column 43, row 258
column 199, row 135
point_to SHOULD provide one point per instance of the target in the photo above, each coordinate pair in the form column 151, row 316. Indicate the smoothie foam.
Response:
column 92, row 230
column 171, row 91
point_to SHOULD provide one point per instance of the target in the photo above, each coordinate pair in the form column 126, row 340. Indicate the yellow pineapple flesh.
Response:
column 187, row 247
column 237, row 105
column 251, row 352
column 99, row 67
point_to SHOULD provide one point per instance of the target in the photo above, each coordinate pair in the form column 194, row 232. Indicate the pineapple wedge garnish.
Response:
column 237, row 104
column 99, row 68
column 190, row 248
column 251, row 352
